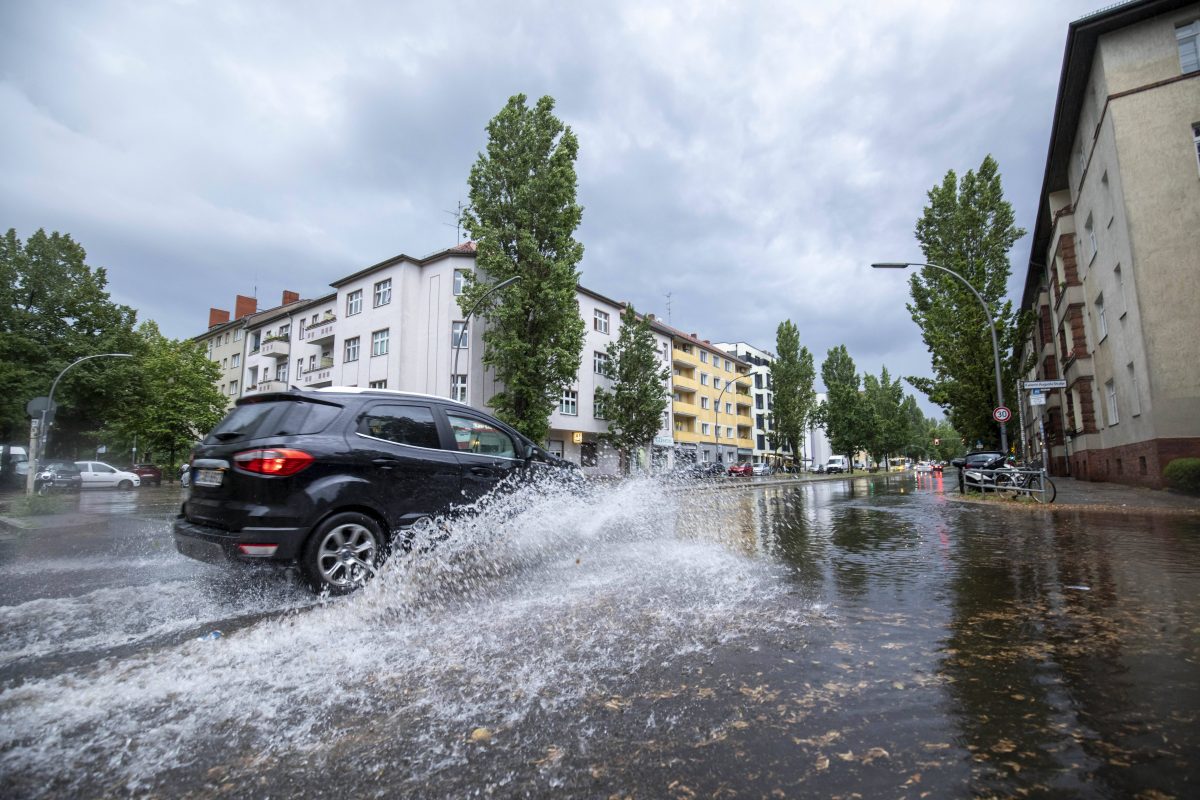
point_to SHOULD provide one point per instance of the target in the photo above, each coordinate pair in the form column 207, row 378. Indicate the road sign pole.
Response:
column 1021, row 418
column 35, row 454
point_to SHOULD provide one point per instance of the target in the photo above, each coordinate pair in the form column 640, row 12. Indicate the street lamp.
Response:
column 717, row 411
column 465, row 333
column 42, row 437
column 987, row 312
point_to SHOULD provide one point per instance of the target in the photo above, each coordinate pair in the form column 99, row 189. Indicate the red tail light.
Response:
column 278, row 462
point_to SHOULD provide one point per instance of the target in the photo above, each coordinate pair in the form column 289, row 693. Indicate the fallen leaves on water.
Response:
column 616, row 704
column 1003, row 746
column 874, row 753
column 553, row 755
column 822, row 763
column 481, row 736
column 820, row 741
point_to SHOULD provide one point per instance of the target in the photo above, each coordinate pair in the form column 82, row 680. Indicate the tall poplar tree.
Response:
column 844, row 413
column 634, row 405
column 889, row 426
column 792, row 376
column 523, row 216
column 967, row 227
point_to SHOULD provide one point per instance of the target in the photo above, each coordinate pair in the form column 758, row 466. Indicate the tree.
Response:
column 843, row 413
column 638, row 397
column 888, row 427
column 522, row 216
column 54, row 309
column 967, row 227
column 171, row 398
column 792, row 375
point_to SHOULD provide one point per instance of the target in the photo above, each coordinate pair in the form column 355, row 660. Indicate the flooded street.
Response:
column 866, row 637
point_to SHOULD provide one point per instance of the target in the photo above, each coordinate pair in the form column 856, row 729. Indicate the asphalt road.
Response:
column 868, row 636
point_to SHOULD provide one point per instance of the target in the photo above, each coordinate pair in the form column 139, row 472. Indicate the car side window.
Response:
column 476, row 436
column 402, row 424
column 105, row 468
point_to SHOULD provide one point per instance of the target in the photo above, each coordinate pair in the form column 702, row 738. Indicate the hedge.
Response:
column 1183, row 474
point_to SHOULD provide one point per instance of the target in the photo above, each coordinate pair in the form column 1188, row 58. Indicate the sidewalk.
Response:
column 1114, row 495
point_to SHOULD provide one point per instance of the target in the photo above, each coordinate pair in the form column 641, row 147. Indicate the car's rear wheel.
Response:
column 343, row 553
column 125, row 485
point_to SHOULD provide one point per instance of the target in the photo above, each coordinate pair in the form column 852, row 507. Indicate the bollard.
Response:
column 962, row 488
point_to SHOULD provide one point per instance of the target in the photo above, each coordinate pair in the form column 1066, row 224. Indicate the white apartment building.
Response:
column 763, row 392
column 272, row 339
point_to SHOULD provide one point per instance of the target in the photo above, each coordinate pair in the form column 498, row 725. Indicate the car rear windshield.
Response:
column 273, row 418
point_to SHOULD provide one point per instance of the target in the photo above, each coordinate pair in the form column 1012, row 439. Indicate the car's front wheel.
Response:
column 125, row 485
column 343, row 553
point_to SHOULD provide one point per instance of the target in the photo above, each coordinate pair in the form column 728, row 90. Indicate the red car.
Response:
column 148, row 473
column 742, row 469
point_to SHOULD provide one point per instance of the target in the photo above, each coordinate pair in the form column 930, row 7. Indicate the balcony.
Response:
column 685, row 382
column 682, row 410
column 322, row 332
column 321, row 376
column 269, row 386
column 275, row 348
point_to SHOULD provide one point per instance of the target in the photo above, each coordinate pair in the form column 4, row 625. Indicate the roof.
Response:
column 464, row 250
column 662, row 327
column 1082, row 37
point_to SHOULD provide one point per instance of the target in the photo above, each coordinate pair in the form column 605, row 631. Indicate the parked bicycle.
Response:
column 1009, row 480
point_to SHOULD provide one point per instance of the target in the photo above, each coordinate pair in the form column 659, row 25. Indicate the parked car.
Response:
column 701, row 469
column 977, row 459
column 325, row 479
column 98, row 475
column 149, row 473
column 743, row 468
column 761, row 468
column 837, row 464
column 56, row 475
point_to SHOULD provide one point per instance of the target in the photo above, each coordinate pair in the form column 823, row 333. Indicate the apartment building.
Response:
column 1112, row 277
column 224, row 343
column 273, row 338
column 711, row 401
column 766, row 449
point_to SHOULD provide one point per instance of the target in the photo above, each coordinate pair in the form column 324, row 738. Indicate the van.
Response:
column 837, row 464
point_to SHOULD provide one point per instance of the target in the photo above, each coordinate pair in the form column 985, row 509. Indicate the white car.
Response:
column 98, row 475
column 761, row 468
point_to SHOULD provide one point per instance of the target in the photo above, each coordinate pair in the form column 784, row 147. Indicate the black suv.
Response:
column 327, row 478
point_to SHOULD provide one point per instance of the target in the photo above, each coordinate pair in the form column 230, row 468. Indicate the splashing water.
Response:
column 542, row 597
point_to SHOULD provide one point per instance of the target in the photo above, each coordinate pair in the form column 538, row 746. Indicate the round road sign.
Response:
column 1001, row 414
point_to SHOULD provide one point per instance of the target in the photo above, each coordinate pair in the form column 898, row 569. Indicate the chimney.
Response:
column 290, row 297
column 244, row 306
column 217, row 316
column 651, row 317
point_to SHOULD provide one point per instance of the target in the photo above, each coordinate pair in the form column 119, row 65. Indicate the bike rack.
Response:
column 1032, row 482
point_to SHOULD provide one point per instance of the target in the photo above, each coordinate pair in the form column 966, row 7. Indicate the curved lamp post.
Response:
column 466, row 334
column 717, row 412
column 987, row 312
column 42, row 432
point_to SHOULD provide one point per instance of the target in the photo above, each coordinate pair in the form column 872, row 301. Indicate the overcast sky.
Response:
column 748, row 158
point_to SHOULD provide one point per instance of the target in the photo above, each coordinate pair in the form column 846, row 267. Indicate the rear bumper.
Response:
column 216, row 546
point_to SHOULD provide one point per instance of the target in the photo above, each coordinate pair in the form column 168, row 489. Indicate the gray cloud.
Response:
column 751, row 160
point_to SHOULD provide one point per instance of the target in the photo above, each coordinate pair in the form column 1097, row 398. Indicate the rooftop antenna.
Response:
column 668, row 308
column 457, row 224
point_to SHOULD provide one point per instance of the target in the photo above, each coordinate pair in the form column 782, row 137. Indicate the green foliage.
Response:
column 1183, row 474
column 792, row 375
column 54, row 309
column 967, row 227
column 523, row 216
column 844, row 414
column 170, row 399
column 887, row 426
column 638, row 397
column 946, row 442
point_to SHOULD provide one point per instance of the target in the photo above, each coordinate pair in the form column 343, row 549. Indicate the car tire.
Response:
column 125, row 485
column 343, row 553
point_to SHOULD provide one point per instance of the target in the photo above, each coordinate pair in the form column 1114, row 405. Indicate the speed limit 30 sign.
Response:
column 1001, row 414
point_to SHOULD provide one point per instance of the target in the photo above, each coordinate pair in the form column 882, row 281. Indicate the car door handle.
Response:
column 484, row 472
column 386, row 463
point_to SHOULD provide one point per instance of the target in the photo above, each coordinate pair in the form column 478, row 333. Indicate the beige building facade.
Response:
column 1114, row 273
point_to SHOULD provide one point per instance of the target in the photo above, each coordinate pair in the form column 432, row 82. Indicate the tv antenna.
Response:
column 668, row 308
column 457, row 224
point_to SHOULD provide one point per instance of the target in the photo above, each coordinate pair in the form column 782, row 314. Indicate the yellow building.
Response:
column 710, row 400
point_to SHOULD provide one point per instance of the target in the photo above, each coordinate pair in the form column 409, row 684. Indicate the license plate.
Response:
column 209, row 477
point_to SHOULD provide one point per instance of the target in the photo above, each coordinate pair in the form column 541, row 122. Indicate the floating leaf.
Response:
column 481, row 736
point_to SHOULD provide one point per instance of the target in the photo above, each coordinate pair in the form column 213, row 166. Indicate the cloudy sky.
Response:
column 750, row 159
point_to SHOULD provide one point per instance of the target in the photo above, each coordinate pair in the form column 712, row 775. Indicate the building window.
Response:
column 383, row 292
column 312, row 362
column 704, row 403
column 458, row 387
column 601, row 364
column 598, row 406
column 1101, row 320
column 225, row 363
column 716, row 382
column 233, row 388
column 570, row 403
column 728, row 432
column 1189, row 47
column 282, row 374
column 458, row 334
column 729, row 408
column 704, row 379
column 600, row 321
column 704, row 428
column 352, row 349
column 1110, row 391
column 1135, row 396
column 236, row 360
column 377, row 384
column 704, row 357
column 379, row 343
column 728, row 365
column 237, row 335
column 1091, row 234
column 299, row 367
column 354, row 303
column 460, row 281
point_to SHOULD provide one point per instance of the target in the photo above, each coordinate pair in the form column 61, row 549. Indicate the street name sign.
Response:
column 1001, row 414
column 1057, row 384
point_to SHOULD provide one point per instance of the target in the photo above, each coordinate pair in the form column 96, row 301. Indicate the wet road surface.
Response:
column 867, row 637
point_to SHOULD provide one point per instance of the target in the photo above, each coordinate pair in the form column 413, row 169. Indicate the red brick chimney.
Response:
column 244, row 306
column 217, row 316
column 290, row 297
